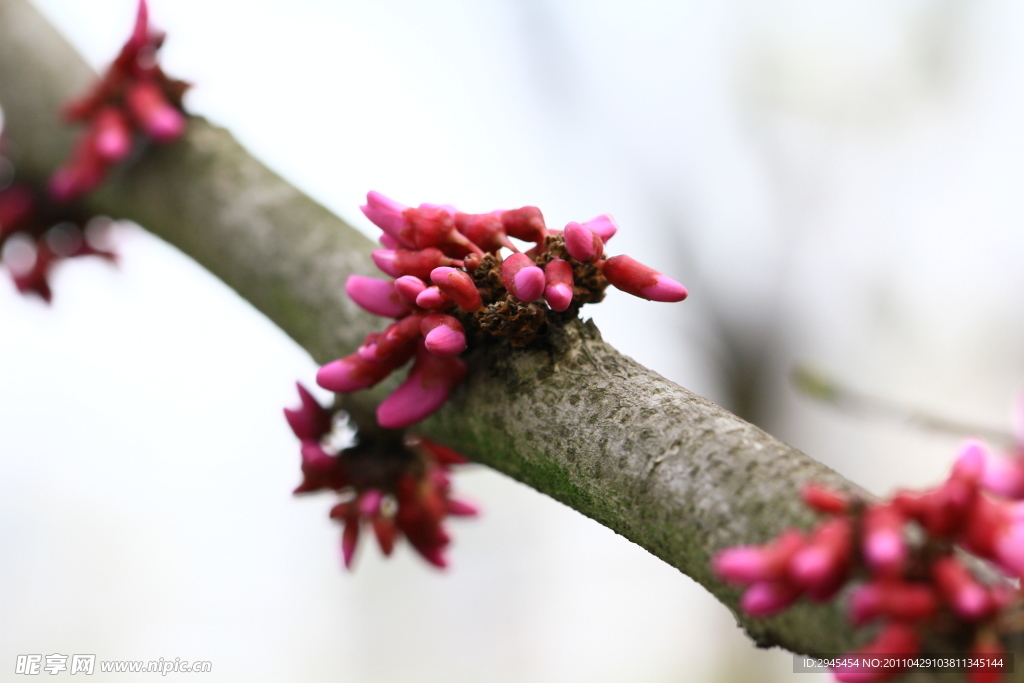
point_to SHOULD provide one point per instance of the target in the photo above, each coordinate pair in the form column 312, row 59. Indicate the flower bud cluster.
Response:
column 450, row 285
column 36, row 235
column 398, row 488
column 134, row 95
column 902, row 554
column 1004, row 472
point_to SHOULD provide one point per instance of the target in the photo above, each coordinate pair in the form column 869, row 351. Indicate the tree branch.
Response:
column 576, row 420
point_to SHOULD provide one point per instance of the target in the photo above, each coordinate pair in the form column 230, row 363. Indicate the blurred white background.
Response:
column 836, row 183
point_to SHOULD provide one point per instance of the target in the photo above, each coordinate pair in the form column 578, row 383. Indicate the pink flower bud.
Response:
column 462, row 508
column 385, row 532
column 484, row 230
column 459, row 286
column 153, row 113
column 525, row 224
column 433, row 555
column 742, row 564
column 369, row 502
column 604, row 226
column 970, row 461
column 349, row 539
column 310, row 421
column 140, row 32
column 883, row 545
column 417, row 262
column 766, row 598
column 16, row 205
column 986, row 529
column 388, row 242
column 968, row 598
column 822, row 564
column 342, row 510
column 747, row 564
column 395, row 345
column 559, row 281
column 424, row 391
column 941, row 511
column 352, row 373
column 865, row 603
column 80, row 174
column 637, row 279
column 1009, row 549
column 408, row 287
column 376, row 296
column 582, row 244
column 110, row 134
column 385, row 260
column 522, row 278
column 433, row 299
column 1003, row 476
column 443, row 334
column 824, row 499
column 386, row 214
column 434, row 226
column 897, row 600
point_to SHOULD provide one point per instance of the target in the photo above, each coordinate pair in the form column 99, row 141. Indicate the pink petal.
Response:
column 385, row 260
column 445, row 341
column 386, row 214
column 665, row 289
column 376, row 296
column 582, row 244
column 766, row 598
column 409, row 287
column 604, row 226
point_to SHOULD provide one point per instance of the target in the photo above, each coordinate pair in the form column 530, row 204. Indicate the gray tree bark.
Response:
column 577, row 420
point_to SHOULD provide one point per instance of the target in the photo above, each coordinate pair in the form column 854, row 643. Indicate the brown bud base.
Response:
column 522, row 324
column 379, row 459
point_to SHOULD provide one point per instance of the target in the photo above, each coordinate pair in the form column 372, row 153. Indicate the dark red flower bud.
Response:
column 459, row 286
column 443, row 335
column 157, row 117
column 485, row 230
column 525, row 224
column 434, row 226
column 824, row 499
column 583, row 244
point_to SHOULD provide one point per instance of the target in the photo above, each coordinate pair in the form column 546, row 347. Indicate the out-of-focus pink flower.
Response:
column 134, row 90
column 459, row 286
